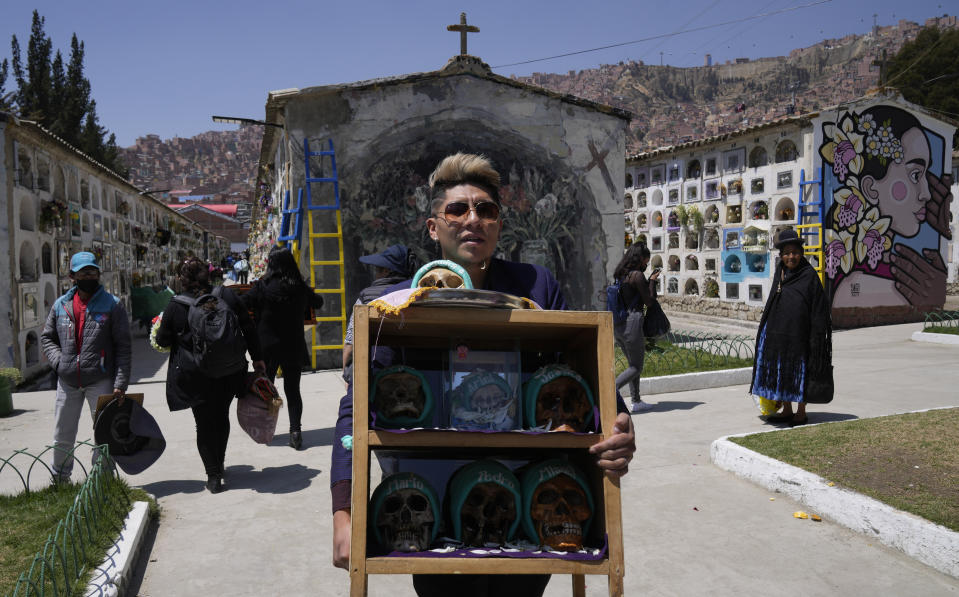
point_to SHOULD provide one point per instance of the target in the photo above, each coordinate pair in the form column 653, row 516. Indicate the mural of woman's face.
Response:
column 903, row 192
column 468, row 242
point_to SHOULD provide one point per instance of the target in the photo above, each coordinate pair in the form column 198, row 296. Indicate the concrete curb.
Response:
column 936, row 338
column 699, row 380
column 110, row 579
column 931, row 544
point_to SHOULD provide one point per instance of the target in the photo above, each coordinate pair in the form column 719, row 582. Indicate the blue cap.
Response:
column 83, row 259
column 392, row 258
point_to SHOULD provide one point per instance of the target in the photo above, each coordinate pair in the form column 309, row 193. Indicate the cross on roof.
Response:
column 463, row 28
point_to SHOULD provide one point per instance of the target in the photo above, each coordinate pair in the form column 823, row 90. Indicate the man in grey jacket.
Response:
column 87, row 341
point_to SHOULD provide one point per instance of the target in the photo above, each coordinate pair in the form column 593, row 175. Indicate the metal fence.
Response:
column 693, row 351
column 947, row 319
column 60, row 563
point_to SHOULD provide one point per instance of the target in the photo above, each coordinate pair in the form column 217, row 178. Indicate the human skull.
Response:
column 488, row 398
column 440, row 277
column 487, row 515
column 564, row 402
column 399, row 394
column 405, row 521
column 559, row 510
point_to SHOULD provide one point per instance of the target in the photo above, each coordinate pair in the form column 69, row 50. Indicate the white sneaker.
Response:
column 640, row 406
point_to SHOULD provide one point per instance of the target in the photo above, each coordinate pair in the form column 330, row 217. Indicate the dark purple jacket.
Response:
column 519, row 279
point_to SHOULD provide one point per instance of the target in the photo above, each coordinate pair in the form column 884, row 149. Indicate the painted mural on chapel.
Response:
column 887, row 207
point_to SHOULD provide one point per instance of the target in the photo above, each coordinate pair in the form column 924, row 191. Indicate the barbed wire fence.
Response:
column 60, row 563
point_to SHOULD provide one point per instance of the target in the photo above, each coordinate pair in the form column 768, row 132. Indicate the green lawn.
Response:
column 30, row 518
column 942, row 329
column 908, row 461
column 669, row 359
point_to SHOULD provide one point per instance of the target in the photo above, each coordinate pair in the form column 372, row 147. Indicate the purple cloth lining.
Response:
column 523, row 431
column 467, row 552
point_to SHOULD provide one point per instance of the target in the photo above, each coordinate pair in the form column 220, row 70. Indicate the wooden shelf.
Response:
column 490, row 565
column 585, row 340
column 456, row 439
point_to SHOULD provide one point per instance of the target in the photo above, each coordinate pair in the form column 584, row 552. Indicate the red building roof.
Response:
column 227, row 209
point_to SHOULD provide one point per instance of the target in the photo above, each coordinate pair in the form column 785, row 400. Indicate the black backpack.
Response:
column 615, row 303
column 218, row 347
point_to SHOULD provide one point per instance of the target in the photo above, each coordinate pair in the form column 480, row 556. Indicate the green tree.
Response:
column 59, row 96
column 91, row 135
column 58, row 86
column 926, row 71
column 34, row 85
column 75, row 102
column 111, row 157
column 6, row 99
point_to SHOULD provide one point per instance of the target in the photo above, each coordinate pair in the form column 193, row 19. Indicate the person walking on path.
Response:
column 391, row 266
column 280, row 302
column 208, row 396
column 793, row 361
column 86, row 338
column 636, row 291
column 242, row 267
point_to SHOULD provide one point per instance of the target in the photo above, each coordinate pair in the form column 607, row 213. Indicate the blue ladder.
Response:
column 297, row 214
column 815, row 248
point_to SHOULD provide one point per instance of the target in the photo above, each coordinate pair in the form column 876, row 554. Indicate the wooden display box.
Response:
column 586, row 341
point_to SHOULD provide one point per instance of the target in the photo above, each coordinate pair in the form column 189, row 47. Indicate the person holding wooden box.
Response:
column 465, row 221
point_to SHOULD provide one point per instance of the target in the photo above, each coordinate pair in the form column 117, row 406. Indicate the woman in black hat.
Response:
column 280, row 301
column 793, row 361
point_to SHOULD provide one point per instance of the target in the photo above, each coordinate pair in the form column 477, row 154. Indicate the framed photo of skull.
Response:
column 483, row 392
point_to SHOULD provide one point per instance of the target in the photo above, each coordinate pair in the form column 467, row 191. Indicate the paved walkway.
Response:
column 690, row 528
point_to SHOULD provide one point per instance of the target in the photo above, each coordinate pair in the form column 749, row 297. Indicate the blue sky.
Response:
column 166, row 67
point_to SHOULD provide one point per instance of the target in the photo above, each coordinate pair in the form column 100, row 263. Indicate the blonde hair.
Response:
column 464, row 168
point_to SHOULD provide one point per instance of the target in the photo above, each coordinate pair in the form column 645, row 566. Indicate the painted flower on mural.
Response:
column 883, row 145
column 838, row 252
column 850, row 207
column 547, row 205
column 844, row 150
column 514, row 198
column 422, row 198
column 871, row 240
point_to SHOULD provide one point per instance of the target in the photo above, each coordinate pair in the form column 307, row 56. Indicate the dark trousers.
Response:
column 629, row 336
column 480, row 585
column 212, row 418
column 291, row 386
column 242, row 277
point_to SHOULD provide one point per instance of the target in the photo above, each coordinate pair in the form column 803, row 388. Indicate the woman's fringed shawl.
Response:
column 796, row 335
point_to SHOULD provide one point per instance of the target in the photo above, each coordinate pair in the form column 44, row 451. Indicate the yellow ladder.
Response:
column 811, row 249
column 314, row 220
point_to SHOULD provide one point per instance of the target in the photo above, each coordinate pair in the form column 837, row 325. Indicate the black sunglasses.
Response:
column 458, row 211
